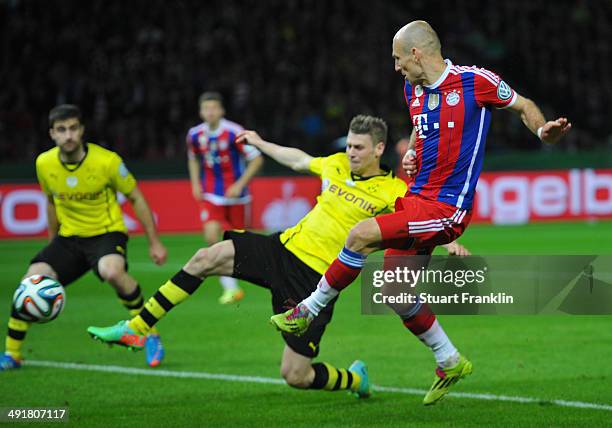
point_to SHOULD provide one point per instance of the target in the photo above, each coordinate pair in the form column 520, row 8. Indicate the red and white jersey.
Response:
column 222, row 161
column 451, row 118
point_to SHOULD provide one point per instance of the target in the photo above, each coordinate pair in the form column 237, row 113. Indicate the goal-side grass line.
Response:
column 268, row 380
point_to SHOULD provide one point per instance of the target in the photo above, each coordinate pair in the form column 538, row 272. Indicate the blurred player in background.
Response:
column 450, row 107
column 220, row 170
column 86, row 229
column 290, row 263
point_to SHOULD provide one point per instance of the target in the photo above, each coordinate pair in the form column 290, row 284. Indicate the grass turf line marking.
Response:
column 269, row 380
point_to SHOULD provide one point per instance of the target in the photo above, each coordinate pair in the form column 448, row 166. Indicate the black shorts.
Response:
column 71, row 257
column 264, row 260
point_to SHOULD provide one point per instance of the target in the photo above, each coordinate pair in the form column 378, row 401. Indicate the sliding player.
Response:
column 355, row 187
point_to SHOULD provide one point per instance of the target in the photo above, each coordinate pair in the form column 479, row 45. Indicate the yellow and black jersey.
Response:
column 345, row 200
column 84, row 194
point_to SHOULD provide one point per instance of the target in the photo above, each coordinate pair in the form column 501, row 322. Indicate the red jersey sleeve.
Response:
column 249, row 152
column 491, row 90
column 191, row 148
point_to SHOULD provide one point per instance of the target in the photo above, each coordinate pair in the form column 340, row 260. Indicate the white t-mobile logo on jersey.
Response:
column 420, row 124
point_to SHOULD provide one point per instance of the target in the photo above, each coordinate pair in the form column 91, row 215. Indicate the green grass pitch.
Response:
column 547, row 357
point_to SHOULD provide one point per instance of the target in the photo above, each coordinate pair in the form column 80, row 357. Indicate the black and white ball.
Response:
column 39, row 298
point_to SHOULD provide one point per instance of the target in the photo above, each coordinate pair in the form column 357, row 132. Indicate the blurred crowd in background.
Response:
column 294, row 70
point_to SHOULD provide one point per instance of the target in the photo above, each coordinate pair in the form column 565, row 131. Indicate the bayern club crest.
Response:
column 452, row 98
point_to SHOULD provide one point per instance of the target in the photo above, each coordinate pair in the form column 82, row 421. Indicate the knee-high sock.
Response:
column 423, row 324
column 341, row 273
column 134, row 302
column 17, row 329
column 329, row 378
column 180, row 287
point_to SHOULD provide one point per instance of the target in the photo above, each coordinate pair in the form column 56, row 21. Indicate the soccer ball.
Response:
column 39, row 298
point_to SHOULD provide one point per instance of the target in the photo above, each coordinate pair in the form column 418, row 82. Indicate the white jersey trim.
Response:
column 222, row 200
column 443, row 77
column 466, row 185
column 511, row 103
column 250, row 152
column 223, row 125
column 417, row 227
column 479, row 71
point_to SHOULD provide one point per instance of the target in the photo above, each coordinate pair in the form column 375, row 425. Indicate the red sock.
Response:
column 421, row 321
column 338, row 275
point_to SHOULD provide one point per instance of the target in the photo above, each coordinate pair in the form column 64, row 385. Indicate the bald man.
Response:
column 450, row 108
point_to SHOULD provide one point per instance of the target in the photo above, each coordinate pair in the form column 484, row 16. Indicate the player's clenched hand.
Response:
column 553, row 130
column 249, row 137
column 157, row 252
column 234, row 191
column 409, row 163
column 456, row 249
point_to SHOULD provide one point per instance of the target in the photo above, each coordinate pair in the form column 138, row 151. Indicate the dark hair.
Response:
column 63, row 112
column 210, row 96
column 375, row 127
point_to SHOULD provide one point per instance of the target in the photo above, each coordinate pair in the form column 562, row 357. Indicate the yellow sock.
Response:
column 173, row 292
column 16, row 334
column 139, row 326
column 134, row 302
column 143, row 329
column 330, row 378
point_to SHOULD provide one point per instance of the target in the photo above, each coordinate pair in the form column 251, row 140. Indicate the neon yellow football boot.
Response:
column 445, row 378
column 295, row 321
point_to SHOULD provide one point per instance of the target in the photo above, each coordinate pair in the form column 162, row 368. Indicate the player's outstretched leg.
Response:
column 111, row 268
column 216, row 260
column 154, row 349
column 132, row 333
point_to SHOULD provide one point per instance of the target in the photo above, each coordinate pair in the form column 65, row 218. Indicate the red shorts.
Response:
column 418, row 225
column 229, row 216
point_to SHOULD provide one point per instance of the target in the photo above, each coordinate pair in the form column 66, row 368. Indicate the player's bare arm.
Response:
column 157, row 251
column 52, row 223
column 253, row 167
column 548, row 131
column 194, row 176
column 290, row 157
